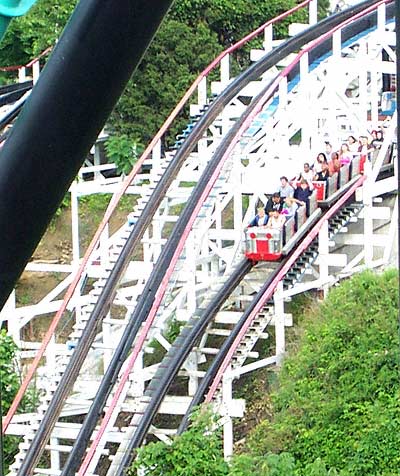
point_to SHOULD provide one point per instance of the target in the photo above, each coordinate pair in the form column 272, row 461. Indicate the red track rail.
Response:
column 27, row 65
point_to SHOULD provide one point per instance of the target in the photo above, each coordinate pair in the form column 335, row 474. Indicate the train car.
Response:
column 263, row 244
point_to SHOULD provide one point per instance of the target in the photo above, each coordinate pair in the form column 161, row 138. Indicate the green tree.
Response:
column 170, row 65
column 10, row 383
column 338, row 396
column 29, row 35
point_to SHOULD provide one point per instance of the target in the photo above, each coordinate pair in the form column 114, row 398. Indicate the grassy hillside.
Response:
column 337, row 402
column 335, row 406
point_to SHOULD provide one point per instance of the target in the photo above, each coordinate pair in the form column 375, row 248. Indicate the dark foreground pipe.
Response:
column 84, row 77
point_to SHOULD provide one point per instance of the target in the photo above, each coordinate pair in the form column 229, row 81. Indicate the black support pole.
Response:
column 83, row 79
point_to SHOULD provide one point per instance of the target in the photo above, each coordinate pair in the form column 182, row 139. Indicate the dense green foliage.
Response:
column 338, row 398
column 196, row 452
column 336, row 405
column 29, row 35
column 9, row 385
column 123, row 152
column 9, row 382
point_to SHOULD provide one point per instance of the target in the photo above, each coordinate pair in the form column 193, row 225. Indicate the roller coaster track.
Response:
column 17, row 94
column 154, row 289
column 180, row 350
column 229, row 353
column 184, row 151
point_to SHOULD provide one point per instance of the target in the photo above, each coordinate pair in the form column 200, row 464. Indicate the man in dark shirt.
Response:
column 274, row 203
column 302, row 195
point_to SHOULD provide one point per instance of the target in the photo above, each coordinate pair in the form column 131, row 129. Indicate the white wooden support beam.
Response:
column 323, row 252
column 283, row 92
column 228, row 426
column 381, row 23
column 107, row 337
column 374, row 96
column 192, row 369
column 368, row 221
column 202, row 92
column 393, row 235
column 22, row 74
column 337, row 44
column 35, row 71
column 236, row 373
column 279, row 316
column 313, row 12
column 156, row 162
column 363, row 78
column 268, row 38
column 54, row 454
column 225, row 70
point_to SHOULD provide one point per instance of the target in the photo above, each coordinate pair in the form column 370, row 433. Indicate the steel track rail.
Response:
column 148, row 295
column 177, row 355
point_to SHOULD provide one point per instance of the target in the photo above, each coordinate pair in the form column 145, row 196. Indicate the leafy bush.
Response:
column 338, row 398
column 9, row 385
column 196, row 452
column 9, row 382
column 123, row 151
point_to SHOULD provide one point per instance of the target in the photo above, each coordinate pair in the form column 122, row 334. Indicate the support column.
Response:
column 138, row 383
column 323, row 252
column 313, row 12
column 156, row 159
column 268, row 38
column 279, row 316
column 192, row 368
column 107, row 341
column 190, row 269
column 202, row 92
column 228, row 424
column 368, row 221
column 363, row 83
column 225, row 71
column 35, row 71
column 54, row 454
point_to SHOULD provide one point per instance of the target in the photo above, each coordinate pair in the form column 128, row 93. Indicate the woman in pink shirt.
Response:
column 345, row 156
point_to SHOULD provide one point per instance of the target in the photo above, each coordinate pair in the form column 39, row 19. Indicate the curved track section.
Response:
column 151, row 291
column 116, row 197
column 212, row 378
column 155, row 286
column 146, row 419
